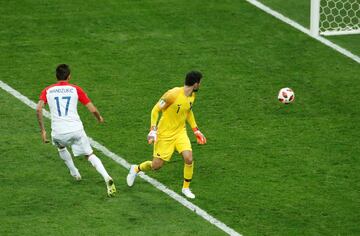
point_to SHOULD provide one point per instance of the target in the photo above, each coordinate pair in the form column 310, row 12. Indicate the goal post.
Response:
column 335, row 17
column 314, row 17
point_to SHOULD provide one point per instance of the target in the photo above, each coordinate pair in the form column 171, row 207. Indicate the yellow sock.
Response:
column 145, row 166
column 188, row 173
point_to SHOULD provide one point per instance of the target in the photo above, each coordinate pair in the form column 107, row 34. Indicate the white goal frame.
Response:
column 315, row 24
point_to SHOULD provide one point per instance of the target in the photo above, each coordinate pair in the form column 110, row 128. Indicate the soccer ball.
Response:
column 286, row 95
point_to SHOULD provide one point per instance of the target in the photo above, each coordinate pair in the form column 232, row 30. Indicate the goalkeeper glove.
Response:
column 199, row 136
column 152, row 136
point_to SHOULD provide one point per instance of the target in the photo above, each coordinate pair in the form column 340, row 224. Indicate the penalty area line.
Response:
column 197, row 210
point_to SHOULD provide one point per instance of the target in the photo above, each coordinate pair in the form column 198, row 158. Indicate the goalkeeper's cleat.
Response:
column 130, row 178
column 187, row 192
column 111, row 190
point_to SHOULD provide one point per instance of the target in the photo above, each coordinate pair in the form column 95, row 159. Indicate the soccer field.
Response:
column 267, row 169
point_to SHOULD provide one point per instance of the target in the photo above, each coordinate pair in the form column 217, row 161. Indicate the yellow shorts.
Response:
column 165, row 147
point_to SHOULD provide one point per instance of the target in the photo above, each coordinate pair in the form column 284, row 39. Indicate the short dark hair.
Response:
column 62, row 72
column 192, row 78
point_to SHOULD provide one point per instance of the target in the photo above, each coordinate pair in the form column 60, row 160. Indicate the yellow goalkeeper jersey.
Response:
column 176, row 108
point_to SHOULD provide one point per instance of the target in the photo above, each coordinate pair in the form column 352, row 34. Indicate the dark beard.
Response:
column 195, row 90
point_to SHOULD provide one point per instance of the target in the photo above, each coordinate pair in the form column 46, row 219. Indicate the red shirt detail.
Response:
column 82, row 96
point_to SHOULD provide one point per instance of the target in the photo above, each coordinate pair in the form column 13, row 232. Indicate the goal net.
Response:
column 335, row 17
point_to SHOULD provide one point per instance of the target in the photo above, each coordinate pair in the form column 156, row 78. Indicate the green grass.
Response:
column 267, row 169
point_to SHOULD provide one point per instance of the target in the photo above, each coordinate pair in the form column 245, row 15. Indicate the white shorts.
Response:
column 78, row 141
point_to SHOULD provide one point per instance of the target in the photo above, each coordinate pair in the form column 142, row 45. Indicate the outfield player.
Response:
column 67, row 128
column 170, row 133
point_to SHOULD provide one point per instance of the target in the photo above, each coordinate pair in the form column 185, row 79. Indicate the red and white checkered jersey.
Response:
column 63, row 98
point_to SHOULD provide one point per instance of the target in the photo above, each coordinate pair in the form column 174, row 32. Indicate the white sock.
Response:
column 65, row 155
column 96, row 162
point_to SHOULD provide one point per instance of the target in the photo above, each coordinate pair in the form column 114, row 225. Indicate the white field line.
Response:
column 125, row 164
column 304, row 30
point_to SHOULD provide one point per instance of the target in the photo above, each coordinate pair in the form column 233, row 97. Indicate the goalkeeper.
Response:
column 170, row 133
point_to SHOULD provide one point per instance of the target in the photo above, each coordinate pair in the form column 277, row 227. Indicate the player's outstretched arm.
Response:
column 40, row 119
column 199, row 136
column 91, row 107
